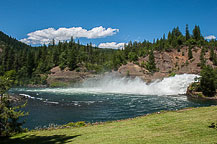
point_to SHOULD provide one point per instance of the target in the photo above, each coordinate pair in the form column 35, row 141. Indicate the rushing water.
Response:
column 108, row 98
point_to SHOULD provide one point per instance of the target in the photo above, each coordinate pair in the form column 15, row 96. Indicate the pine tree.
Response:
column 72, row 60
column 169, row 37
column 187, row 34
column 150, row 65
column 190, row 56
column 212, row 54
column 196, row 33
column 9, row 115
column 208, row 81
column 202, row 59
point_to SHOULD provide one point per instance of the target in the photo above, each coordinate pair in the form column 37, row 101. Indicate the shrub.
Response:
column 208, row 82
column 172, row 74
column 128, row 73
column 77, row 124
column 58, row 84
column 137, row 63
column 142, row 64
column 186, row 63
column 183, row 54
column 213, row 125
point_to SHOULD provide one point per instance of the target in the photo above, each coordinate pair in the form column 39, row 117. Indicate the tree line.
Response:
column 32, row 64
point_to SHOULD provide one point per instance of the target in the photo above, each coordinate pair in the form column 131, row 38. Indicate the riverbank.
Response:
column 15, row 98
column 192, row 94
column 183, row 126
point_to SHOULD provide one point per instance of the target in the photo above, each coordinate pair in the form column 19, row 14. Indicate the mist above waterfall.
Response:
column 116, row 84
column 111, row 83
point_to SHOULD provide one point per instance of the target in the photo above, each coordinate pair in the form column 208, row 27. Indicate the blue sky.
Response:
column 135, row 19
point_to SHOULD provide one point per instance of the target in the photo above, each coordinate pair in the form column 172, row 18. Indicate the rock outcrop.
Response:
column 66, row 76
column 167, row 63
column 195, row 95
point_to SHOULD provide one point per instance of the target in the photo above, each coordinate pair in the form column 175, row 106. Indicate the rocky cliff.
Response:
column 173, row 62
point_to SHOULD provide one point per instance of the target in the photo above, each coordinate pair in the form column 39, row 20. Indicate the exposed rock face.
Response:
column 132, row 69
column 66, row 76
column 167, row 62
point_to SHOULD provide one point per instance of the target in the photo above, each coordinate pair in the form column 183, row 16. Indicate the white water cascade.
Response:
column 109, row 84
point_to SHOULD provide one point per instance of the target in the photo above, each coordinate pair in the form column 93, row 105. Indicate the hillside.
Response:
column 11, row 42
column 183, row 126
column 69, row 61
column 168, row 63
column 173, row 62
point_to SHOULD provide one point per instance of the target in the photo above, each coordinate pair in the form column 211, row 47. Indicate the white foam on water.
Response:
column 30, row 97
column 27, row 96
column 51, row 102
column 112, row 84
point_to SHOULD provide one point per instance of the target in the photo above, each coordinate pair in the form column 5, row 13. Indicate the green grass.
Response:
column 174, row 127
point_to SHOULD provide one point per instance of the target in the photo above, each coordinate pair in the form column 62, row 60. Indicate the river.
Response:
column 108, row 98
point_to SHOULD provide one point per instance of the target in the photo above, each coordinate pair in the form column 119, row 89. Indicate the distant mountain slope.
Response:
column 12, row 42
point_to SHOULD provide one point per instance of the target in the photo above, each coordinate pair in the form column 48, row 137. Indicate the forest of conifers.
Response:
column 32, row 64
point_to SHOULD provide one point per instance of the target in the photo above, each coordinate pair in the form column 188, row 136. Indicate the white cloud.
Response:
column 45, row 36
column 112, row 45
column 210, row 37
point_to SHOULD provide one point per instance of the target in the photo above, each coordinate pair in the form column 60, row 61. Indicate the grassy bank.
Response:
column 184, row 126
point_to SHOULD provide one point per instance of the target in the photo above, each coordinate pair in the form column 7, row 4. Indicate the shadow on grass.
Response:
column 33, row 139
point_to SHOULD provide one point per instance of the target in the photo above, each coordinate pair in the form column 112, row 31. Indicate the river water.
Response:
column 104, row 99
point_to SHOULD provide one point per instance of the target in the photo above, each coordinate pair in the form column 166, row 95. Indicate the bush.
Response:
column 137, row 63
column 142, row 64
column 128, row 73
column 195, row 86
column 58, row 84
column 213, row 125
column 77, row 124
column 172, row 74
column 183, row 54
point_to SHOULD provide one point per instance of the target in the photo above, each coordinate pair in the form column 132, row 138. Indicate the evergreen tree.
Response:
column 72, row 60
column 30, row 64
column 132, row 56
column 208, row 82
column 9, row 115
column 150, row 65
column 63, row 60
column 196, row 33
column 187, row 34
column 212, row 54
column 190, row 55
column 202, row 59
column 169, row 37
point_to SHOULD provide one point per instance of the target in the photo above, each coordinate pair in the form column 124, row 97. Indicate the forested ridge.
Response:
column 33, row 64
